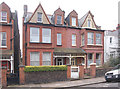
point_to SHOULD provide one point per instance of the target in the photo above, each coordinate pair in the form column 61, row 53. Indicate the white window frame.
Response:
column 99, row 38
column 89, row 61
column 83, row 40
column 34, row 36
column 59, row 61
column 46, row 38
column 90, row 38
column 1, row 40
column 73, row 40
column 59, row 39
column 59, row 19
column 73, row 21
column 38, row 18
column 35, row 59
column 44, row 60
column 98, row 60
column 4, row 16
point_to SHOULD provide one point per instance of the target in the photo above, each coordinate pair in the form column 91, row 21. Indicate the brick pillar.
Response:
column 93, row 69
column 81, row 71
column 68, row 71
column 4, row 77
column 21, row 74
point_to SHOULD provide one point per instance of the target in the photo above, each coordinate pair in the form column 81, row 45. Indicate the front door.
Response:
column 59, row 61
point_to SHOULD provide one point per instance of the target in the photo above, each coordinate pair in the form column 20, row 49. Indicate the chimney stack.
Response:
column 25, row 10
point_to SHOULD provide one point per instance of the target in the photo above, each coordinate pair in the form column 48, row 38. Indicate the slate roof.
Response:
column 69, row 50
column 81, row 21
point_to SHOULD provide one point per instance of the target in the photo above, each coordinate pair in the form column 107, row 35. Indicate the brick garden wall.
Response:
column 101, row 71
column 45, row 77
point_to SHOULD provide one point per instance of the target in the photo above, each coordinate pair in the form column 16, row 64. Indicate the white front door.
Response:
column 74, row 71
column 59, row 61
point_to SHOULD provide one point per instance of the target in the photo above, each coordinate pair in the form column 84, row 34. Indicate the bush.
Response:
column 45, row 68
column 114, row 61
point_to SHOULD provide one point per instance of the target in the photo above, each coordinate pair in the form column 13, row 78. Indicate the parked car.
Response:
column 113, row 75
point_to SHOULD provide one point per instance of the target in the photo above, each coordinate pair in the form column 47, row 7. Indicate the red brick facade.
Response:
column 67, row 30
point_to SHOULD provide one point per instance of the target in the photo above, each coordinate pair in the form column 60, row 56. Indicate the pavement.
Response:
column 63, row 84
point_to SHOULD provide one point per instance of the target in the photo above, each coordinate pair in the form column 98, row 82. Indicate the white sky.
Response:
column 105, row 11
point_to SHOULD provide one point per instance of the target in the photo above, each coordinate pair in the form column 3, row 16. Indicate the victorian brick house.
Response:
column 9, row 38
column 56, row 40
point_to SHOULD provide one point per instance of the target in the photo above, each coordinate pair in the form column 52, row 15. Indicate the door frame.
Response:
column 57, row 60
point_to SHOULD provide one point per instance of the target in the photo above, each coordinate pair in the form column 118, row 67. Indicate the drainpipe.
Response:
column 26, row 44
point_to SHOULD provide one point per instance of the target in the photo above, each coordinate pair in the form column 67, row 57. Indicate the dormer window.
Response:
column 89, row 23
column 39, row 17
column 3, row 16
column 73, row 21
column 59, row 18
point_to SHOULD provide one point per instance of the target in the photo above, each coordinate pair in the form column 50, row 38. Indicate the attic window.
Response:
column 3, row 16
column 39, row 19
column 59, row 19
column 89, row 23
column 73, row 21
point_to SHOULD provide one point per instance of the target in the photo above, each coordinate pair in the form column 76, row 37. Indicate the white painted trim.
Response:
column 57, row 60
column 5, row 59
column 3, row 46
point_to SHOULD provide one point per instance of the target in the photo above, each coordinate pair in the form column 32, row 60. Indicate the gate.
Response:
column 12, row 79
column 74, row 71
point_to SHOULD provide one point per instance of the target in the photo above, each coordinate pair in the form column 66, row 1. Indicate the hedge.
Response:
column 45, row 68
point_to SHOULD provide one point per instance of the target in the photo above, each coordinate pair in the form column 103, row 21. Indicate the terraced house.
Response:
column 9, row 39
column 59, row 40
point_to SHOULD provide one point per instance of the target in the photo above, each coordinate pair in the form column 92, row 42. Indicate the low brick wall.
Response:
column 45, row 77
column 101, row 71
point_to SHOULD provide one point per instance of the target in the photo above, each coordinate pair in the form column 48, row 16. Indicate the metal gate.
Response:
column 74, row 71
column 12, row 79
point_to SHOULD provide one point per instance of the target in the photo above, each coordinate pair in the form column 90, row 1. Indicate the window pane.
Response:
column 90, row 38
column 98, row 59
column 39, row 17
column 73, row 40
column 34, row 59
column 98, row 38
column 46, row 35
column 34, row 34
column 59, row 39
column 90, row 58
column 59, row 19
column 46, row 60
column 3, row 16
column 89, row 23
column 3, row 38
column 83, row 39
column 73, row 21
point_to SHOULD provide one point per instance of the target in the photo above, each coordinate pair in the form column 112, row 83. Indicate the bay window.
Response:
column 90, row 58
column 98, row 38
column 90, row 37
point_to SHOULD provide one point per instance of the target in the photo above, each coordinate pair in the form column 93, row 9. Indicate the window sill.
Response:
column 99, row 45
column 73, row 45
column 91, row 44
column 59, row 45
column 39, row 43
column 4, row 21
column 3, row 46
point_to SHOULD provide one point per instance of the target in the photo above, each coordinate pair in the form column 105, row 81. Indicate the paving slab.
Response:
column 66, row 83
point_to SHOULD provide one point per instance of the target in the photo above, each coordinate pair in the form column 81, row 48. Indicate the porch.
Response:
column 71, row 56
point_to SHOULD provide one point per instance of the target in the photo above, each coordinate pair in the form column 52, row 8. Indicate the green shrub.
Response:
column 114, row 61
column 45, row 68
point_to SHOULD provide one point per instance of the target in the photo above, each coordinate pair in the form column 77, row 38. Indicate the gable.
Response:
column 34, row 17
column 89, row 17
column 73, row 13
